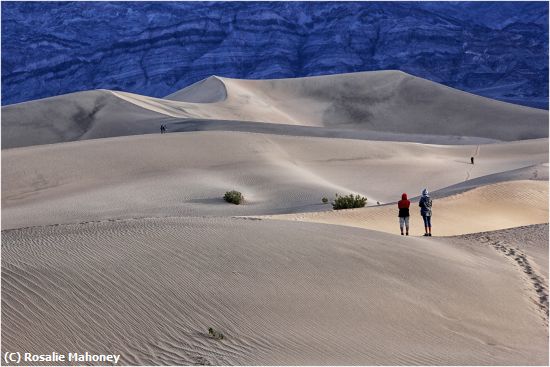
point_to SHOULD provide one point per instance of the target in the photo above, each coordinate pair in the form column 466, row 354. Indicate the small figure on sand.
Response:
column 425, row 205
column 162, row 129
column 403, row 206
column 472, row 160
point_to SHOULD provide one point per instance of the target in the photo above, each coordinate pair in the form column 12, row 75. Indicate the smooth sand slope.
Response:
column 381, row 102
column 281, row 292
column 188, row 173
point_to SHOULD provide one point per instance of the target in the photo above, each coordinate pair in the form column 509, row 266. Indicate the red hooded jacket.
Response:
column 403, row 206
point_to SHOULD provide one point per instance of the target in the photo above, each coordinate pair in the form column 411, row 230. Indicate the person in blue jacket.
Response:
column 425, row 205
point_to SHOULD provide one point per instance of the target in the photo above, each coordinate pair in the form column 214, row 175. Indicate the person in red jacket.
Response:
column 403, row 206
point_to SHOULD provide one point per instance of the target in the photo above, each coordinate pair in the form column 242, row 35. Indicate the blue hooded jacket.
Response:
column 425, row 204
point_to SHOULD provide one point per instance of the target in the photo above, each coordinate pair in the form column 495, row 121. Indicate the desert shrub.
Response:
column 234, row 197
column 324, row 200
column 348, row 202
column 215, row 334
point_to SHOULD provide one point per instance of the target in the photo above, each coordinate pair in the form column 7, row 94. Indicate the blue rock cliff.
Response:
column 496, row 50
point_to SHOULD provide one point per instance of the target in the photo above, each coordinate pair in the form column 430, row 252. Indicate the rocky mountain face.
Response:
column 156, row 48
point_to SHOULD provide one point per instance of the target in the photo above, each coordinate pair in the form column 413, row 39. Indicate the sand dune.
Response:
column 188, row 173
column 538, row 172
column 381, row 102
column 487, row 208
column 124, row 244
column 75, row 116
column 527, row 249
column 389, row 101
column 281, row 292
column 209, row 90
column 190, row 125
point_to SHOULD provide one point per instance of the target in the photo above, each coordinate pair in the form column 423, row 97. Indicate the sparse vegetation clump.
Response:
column 324, row 200
column 348, row 202
column 215, row 334
column 234, row 197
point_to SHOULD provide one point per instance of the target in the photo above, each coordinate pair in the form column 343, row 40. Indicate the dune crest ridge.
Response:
column 376, row 101
column 209, row 90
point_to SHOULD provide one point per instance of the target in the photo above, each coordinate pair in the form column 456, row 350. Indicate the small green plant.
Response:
column 348, row 202
column 233, row 197
column 215, row 334
column 324, row 200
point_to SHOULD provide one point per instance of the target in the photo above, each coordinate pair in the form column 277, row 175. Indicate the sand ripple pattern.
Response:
column 282, row 293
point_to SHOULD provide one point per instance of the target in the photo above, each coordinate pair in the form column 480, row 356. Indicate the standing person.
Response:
column 403, row 206
column 425, row 205
column 472, row 160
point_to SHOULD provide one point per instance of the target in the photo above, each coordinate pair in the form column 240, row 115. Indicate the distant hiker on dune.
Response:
column 472, row 160
column 425, row 205
column 403, row 206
